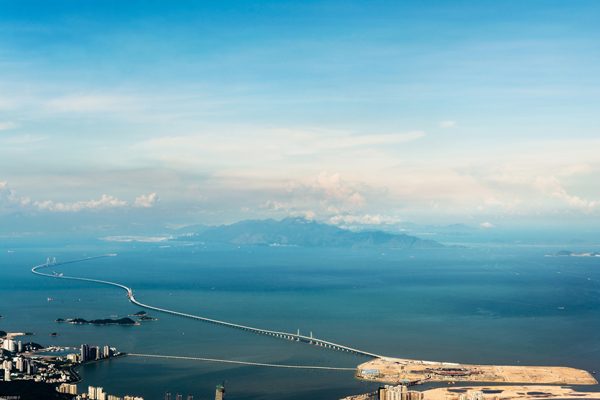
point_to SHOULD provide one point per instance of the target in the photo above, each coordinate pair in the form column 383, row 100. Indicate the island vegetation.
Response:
column 103, row 321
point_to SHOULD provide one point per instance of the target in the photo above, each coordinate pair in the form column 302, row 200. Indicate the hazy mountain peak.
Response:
column 296, row 231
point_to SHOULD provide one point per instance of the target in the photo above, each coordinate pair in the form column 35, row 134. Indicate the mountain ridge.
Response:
column 303, row 233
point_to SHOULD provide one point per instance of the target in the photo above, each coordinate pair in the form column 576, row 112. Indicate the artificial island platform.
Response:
column 542, row 392
column 413, row 372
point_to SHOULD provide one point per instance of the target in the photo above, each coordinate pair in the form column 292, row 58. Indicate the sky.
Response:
column 348, row 112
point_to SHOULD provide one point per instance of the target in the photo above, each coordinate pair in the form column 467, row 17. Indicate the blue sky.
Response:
column 374, row 112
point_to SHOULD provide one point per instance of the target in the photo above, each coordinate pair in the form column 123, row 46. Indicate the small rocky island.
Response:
column 143, row 316
column 104, row 321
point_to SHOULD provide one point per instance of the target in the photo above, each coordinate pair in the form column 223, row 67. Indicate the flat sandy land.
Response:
column 510, row 392
column 397, row 370
column 496, row 393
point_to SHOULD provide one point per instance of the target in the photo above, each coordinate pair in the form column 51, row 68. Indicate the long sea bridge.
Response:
column 130, row 295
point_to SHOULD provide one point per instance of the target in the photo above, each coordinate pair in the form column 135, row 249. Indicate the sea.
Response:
column 480, row 303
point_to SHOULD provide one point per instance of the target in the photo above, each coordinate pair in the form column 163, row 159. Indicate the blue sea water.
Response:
column 483, row 304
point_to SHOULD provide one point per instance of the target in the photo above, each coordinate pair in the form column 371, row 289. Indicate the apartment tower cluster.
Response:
column 399, row 392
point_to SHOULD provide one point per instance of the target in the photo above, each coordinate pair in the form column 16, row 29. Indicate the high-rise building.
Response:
column 7, row 375
column 220, row 392
column 168, row 396
column 19, row 364
column 7, row 365
column 25, row 366
column 97, row 392
column 106, row 352
column 30, row 368
column 179, row 397
column 9, row 345
column 20, row 347
column 400, row 392
column 85, row 353
column 69, row 388
column 98, row 353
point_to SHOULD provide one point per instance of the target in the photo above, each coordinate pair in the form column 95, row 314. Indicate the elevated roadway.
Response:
column 255, row 364
column 130, row 295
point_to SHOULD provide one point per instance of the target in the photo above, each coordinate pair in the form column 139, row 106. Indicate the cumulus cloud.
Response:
column 552, row 187
column 146, row 200
column 104, row 202
column 9, row 198
column 336, row 189
column 487, row 225
column 275, row 205
column 447, row 124
column 318, row 197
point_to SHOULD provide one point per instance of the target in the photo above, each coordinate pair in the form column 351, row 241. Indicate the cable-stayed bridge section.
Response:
column 130, row 295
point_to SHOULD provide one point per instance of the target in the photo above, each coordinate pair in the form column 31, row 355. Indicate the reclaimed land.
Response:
column 509, row 393
column 495, row 393
column 398, row 370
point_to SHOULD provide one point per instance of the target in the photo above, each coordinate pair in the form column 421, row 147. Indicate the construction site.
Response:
column 411, row 372
column 401, row 392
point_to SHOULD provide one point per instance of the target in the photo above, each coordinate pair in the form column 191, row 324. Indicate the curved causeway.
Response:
column 130, row 295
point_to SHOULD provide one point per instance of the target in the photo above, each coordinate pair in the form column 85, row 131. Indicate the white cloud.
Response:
column 258, row 146
column 336, row 189
column 447, row 124
column 310, row 215
column 146, row 200
column 365, row 219
column 104, row 202
column 322, row 196
column 275, row 205
column 575, row 169
column 487, row 225
column 9, row 197
column 552, row 187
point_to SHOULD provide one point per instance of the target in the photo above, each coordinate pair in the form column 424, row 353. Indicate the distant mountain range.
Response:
column 301, row 232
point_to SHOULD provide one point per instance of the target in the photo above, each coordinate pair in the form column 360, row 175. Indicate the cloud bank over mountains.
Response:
column 11, row 201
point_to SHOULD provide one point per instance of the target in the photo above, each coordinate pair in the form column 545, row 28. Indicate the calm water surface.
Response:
column 479, row 305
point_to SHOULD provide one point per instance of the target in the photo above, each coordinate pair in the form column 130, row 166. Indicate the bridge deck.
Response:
column 131, row 297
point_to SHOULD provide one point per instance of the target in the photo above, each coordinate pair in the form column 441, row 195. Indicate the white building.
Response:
column 9, row 345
